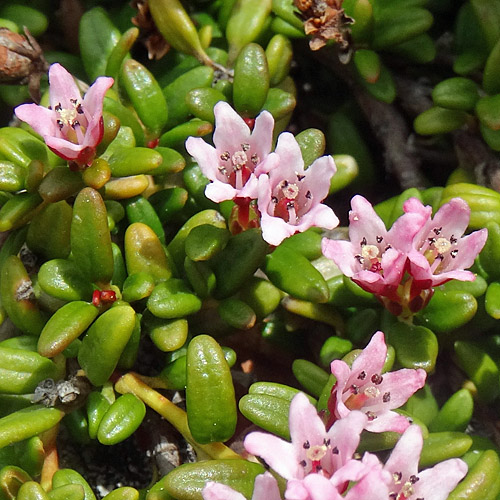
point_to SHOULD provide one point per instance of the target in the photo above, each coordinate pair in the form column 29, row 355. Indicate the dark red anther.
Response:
column 250, row 122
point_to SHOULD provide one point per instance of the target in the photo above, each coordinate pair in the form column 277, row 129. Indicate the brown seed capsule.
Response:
column 21, row 61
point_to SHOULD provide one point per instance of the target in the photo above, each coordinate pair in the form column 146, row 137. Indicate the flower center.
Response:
column 287, row 204
column 436, row 247
column 370, row 257
column 71, row 121
column 316, row 453
column 406, row 489
column 237, row 168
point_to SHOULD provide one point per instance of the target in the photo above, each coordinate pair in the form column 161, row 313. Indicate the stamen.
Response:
column 225, row 156
column 274, row 199
column 377, row 378
column 453, row 240
column 308, row 195
column 379, row 239
column 386, row 397
column 300, row 177
column 58, row 107
column 355, row 389
column 437, row 230
column 245, row 147
column 306, row 445
column 371, row 416
column 363, row 242
column 454, row 253
column 362, row 375
column 359, row 259
column 255, row 159
column 397, row 476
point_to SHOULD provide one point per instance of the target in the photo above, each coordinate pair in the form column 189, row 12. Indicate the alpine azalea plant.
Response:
column 401, row 266
column 363, row 387
column 71, row 127
column 289, row 197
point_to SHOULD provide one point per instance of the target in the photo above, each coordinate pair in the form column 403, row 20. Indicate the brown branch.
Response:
column 388, row 124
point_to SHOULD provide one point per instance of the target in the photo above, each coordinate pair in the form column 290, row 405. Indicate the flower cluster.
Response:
column 320, row 462
column 71, row 127
column 241, row 167
column 402, row 265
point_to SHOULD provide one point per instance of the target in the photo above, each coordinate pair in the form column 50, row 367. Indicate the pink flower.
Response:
column 408, row 483
column 363, row 387
column 374, row 258
column 313, row 449
column 440, row 252
column 289, row 198
column 265, row 488
column 236, row 160
column 71, row 127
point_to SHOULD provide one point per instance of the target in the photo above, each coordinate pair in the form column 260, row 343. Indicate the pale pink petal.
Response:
column 93, row 99
column 468, row 249
column 324, row 169
column 452, row 217
column 262, row 134
column 305, row 424
column 372, row 358
column 279, row 454
column 41, row 120
column 62, row 147
column 342, row 253
column 405, row 229
column 250, row 189
column 62, row 87
column 275, row 230
column 288, row 150
column 296, row 490
column 219, row 191
column 266, row 488
column 205, row 155
column 230, row 130
column 364, row 221
column 437, row 483
column 345, row 435
column 388, row 421
column 414, row 205
column 406, row 454
column 319, row 488
column 217, row 491
column 319, row 216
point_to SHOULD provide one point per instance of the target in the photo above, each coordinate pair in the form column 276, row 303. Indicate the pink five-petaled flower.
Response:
column 71, row 127
column 313, row 449
column 290, row 197
column 235, row 162
column 440, row 252
column 265, row 488
column 374, row 258
column 430, row 484
column 363, row 387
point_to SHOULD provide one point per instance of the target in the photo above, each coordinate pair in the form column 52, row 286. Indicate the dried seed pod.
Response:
column 21, row 61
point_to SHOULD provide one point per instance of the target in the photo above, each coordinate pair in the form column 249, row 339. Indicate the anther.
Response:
column 362, row 375
column 379, row 239
column 355, row 389
column 397, row 476
column 300, row 177
column 437, row 230
column 58, row 107
column 245, row 146
column 386, row 397
column 377, row 379
column 306, row 445
column 453, row 240
column 274, row 199
column 255, row 159
column 308, row 195
column 225, row 156
column 454, row 253
column 363, row 242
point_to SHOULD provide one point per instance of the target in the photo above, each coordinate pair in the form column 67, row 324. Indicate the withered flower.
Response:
column 325, row 20
column 152, row 39
column 21, row 61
